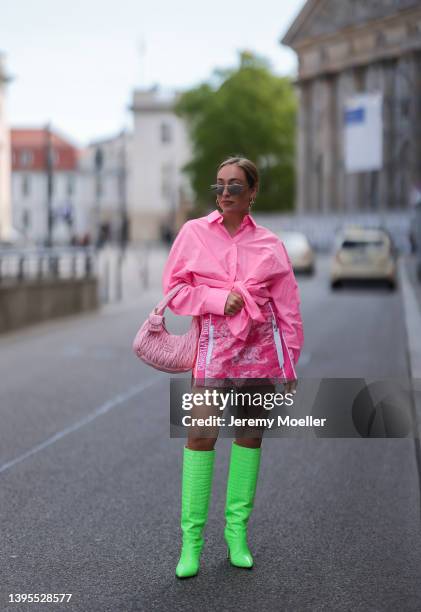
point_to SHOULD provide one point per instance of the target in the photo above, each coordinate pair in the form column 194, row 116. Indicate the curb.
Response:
column 412, row 320
column 412, row 311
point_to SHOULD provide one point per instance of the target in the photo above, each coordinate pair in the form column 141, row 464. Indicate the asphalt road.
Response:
column 90, row 480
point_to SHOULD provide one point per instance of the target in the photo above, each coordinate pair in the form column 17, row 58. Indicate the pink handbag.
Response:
column 158, row 348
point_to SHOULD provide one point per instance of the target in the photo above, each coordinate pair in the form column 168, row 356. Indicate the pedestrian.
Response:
column 240, row 283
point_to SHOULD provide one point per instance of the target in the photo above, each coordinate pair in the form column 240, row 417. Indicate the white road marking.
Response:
column 103, row 409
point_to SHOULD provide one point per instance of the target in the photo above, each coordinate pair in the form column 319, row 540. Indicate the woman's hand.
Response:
column 233, row 304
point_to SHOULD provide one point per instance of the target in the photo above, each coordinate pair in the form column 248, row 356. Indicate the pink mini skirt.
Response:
column 225, row 360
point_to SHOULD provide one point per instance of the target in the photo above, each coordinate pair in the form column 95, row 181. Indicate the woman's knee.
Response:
column 201, row 444
column 249, row 442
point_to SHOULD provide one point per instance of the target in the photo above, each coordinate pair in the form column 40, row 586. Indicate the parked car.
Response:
column 363, row 254
column 299, row 251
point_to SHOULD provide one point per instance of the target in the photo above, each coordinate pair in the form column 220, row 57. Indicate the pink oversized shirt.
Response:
column 253, row 263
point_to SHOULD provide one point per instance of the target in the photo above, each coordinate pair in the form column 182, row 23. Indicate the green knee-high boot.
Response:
column 241, row 488
column 195, row 495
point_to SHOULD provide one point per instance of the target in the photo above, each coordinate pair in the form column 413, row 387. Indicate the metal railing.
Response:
column 43, row 263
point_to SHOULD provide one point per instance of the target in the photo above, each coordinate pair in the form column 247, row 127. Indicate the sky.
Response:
column 76, row 62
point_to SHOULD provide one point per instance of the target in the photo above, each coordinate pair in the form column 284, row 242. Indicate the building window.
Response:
column 99, row 186
column 405, row 107
column 166, row 132
column 166, row 181
column 70, row 187
column 26, row 219
column 121, row 186
column 26, row 157
column 51, row 186
column 55, row 156
column 99, row 159
column 26, row 185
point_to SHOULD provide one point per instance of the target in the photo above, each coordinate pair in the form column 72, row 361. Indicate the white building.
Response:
column 43, row 162
column 160, row 193
column 89, row 187
column 5, row 197
column 129, row 185
column 104, row 183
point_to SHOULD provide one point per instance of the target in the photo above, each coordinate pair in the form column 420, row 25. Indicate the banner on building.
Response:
column 363, row 133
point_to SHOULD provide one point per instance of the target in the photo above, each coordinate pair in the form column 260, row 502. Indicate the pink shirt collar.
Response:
column 215, row 215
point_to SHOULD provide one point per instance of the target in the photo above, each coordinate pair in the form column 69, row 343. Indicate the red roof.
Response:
column 29, row 150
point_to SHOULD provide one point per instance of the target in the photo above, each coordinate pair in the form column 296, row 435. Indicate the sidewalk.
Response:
column 411, row 297
column 128, row 278
column 411, row 267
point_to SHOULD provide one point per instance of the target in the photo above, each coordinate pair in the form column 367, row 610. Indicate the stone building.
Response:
column 345, row 48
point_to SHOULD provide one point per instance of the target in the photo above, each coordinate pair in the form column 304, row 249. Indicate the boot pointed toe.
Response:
column 239, row 554
column 187, row 568
column 241, row 488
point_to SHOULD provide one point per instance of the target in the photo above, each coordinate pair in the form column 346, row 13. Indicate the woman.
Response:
column 241, row 284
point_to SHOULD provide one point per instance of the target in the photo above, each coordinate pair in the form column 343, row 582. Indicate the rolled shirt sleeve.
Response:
column 190, row 300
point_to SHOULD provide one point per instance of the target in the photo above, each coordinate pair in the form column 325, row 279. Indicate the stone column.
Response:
column 404, row 121
column 328, row 138
column 414, row 170
column 376, row 181
column 302, row 140
column 380, row 77
column 345, row 89
column 315, row 159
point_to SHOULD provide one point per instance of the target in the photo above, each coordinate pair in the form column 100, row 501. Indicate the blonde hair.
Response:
column 250, row 169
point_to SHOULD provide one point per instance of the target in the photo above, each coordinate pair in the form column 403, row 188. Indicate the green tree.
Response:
column 247, row 111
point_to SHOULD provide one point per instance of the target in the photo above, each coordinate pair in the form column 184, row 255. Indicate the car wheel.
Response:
column 337, row 284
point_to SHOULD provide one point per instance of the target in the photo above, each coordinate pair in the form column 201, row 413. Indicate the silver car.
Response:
column 363, row 254
column 299, row 251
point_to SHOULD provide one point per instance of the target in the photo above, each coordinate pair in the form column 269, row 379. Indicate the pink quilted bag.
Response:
column 158, row 348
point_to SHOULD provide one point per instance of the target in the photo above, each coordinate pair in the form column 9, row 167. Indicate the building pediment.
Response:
column 319, row 18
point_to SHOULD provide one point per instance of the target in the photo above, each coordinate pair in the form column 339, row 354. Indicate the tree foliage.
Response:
column 247, row 111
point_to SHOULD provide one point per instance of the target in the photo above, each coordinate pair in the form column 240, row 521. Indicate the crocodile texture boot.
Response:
column 195, row 496
column 241, row 488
